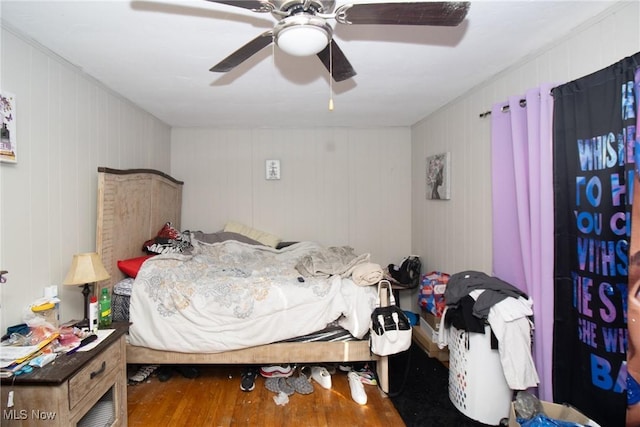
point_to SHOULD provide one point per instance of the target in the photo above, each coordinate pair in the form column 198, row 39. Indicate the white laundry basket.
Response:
column 477, row 385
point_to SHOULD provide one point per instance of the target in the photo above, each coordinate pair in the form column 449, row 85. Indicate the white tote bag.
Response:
column 390, row 328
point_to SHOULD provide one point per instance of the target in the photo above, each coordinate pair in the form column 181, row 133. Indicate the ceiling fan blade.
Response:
column 253, row 5
column 407, row 13
column 244, row 53
column 339, row 65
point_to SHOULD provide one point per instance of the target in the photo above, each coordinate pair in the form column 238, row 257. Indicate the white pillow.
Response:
column 261, row 236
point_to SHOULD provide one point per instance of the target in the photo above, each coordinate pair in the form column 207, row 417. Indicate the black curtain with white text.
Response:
column 593, row 146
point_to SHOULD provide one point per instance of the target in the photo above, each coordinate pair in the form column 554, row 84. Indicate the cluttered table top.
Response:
column 36, row 363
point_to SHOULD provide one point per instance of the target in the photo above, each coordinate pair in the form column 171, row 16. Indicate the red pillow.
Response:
column 131, row 266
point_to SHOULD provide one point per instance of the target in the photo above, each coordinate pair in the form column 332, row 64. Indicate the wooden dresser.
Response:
column 84, row 388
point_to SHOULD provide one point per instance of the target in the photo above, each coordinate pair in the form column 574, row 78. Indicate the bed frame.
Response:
column 133, row 205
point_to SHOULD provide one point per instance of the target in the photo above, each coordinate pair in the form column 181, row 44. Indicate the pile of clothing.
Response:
column 474, row 299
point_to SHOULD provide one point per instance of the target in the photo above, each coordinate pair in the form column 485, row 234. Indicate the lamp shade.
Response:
column 86, row 268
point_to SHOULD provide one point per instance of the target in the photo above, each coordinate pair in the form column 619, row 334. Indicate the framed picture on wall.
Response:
column 438, row 167
column 8, row 144
column 272, row 169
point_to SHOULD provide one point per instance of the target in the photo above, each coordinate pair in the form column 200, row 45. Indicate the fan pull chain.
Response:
column 330, row 78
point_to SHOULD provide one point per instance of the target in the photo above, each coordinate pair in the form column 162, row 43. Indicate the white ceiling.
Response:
column 158, row 54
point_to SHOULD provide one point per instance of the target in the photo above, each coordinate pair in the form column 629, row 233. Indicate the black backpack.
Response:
column 408, row 273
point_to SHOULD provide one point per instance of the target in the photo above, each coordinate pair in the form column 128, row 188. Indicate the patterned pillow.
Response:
column 168, row 240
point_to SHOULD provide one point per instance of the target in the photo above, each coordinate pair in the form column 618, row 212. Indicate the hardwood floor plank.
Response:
column 214, row 398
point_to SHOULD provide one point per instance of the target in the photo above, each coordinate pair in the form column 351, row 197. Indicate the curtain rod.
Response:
column 504, row 109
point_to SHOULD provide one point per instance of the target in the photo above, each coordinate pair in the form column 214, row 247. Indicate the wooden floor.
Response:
column 215, row 399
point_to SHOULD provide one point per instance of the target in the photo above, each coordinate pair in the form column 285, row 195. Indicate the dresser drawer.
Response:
column 95, row 374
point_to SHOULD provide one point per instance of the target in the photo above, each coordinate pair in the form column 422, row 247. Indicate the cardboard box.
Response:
column 558, row 412
column 432, row 320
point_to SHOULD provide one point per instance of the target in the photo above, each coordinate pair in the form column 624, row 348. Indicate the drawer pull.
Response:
column 99, row 371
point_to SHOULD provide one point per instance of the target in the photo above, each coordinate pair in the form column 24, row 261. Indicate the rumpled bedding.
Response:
column 339, row 260
column 231, row 295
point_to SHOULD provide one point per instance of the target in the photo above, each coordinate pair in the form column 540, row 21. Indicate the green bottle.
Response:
column 105, row 309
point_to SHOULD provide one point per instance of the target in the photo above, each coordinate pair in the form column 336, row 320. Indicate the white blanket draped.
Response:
column 231, row 295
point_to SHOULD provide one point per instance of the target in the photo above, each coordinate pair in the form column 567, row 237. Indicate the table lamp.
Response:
column 86, row 268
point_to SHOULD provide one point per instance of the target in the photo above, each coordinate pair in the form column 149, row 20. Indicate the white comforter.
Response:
column 230, row 295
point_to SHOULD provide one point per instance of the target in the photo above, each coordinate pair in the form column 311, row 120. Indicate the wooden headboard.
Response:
column 133, row 205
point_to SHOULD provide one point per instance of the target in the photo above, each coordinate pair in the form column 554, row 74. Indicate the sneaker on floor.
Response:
column 190, row 372
column 248, row 379
column 321, row 375
column 367, row 376
column 143, row 373
column 276, row 371
column 331, row 368
column 164, row 373
column 357, row 389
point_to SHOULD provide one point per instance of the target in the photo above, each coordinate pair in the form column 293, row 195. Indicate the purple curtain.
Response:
column 522, row 187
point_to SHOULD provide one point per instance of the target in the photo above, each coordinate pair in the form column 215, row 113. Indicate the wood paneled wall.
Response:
column 338, row 186
column 68, row 124
column 456, row 235
column 362, row 187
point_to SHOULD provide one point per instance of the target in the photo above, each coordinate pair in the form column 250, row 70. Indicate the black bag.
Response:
column 408, row 273
column 390, row 329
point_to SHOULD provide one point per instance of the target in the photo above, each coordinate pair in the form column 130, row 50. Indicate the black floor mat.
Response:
column 424, row 399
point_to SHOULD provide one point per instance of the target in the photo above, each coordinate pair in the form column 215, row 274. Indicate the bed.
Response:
column 132, row 205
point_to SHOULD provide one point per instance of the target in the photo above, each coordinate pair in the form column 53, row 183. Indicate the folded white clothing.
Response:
column 367, row 273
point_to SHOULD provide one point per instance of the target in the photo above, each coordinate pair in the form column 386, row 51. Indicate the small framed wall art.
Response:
column 272, row 169
column 8, row 142
column 438, row 170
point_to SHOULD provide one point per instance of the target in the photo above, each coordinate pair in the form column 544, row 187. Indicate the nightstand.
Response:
column 84, row 388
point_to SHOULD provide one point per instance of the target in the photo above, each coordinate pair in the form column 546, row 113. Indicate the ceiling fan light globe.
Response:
column 302, row 35
column 303, row 40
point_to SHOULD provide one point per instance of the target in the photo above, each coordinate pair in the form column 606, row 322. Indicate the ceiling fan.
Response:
column 302, row 27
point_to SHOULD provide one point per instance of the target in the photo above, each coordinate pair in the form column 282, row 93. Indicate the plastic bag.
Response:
column 542, row 420
column 526, row 405
column 431, row 295
column 530, row 413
